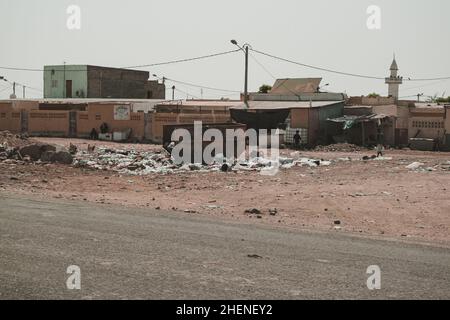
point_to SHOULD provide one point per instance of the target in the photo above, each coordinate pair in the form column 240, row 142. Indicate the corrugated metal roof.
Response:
column 202, row 103
column 296, row 86
column 279, row 105
column 364, row 118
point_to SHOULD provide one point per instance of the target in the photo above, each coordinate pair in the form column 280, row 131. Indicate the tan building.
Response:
column 424, row 126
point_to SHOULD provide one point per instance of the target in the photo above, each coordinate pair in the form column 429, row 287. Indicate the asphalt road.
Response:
column 146, row 254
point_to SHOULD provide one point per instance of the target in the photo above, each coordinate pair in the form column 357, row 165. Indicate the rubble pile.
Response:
column 7, row 139
column 339, row 147
column 19, row 147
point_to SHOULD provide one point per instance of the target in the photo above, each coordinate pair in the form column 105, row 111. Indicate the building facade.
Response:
column 85, row 81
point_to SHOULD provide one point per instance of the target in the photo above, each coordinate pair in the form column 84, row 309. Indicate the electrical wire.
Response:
column 341, row 72
column 184, row 60
column 201, row 86
column 317, row 68
column 132, row 67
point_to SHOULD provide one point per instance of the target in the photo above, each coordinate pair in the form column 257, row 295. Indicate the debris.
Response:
column 253, row 211
column 339, row 147
column 414, row 165
column 337, row 222
column 73, row 149
column 254, row 256
column 273, row 212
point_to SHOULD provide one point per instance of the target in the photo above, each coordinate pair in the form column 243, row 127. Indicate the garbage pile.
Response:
column 134, row 162
column 339, row 147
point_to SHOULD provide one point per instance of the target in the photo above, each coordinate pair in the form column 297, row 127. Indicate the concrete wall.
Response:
column 9, row 118
column 98, row 114
column 366, row 101
column 155, row 90
column 48, row 123
column 299, row 118
column 160, row 119
column 116, row 83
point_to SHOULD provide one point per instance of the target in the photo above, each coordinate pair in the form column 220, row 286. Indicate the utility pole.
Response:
column 245, row 49
column 24, row 92
column 246, row 77
column 64, row 81
column 173, row 93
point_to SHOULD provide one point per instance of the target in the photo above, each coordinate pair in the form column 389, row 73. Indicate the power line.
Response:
column 425, row 85
column 186, row 93
column 270, row 74
column 201, row 86
column 23, row 85
column 341, row 72
column 6, row 88
column 317, row 68
column 130, row 67
column 183, row 60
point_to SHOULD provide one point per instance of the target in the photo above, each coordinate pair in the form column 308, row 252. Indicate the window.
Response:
column 98, row 117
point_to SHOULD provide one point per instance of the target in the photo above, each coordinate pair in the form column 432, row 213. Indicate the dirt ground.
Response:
column 375, row 198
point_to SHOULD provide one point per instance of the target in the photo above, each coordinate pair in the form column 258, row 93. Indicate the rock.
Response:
column 35, row 151
column 253, row 211
column 47, row 156
column 254, row 256
column 273, row 212
column 337, row 222
column 63, row 157
column 225, row 167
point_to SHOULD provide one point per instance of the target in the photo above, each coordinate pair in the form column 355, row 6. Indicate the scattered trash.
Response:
column 339, row 147
column 414, row 165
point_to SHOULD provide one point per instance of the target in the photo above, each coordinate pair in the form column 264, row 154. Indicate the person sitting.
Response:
column 94, row 134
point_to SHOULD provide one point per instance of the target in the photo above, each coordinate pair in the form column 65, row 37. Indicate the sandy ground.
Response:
column 374, row 198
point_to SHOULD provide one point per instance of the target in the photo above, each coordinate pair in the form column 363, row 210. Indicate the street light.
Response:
column 245, row 50
column 319, row 88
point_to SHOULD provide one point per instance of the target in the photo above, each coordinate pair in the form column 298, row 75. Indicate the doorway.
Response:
column 68, row 88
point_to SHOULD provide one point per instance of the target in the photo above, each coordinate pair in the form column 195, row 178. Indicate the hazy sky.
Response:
column 327, row 33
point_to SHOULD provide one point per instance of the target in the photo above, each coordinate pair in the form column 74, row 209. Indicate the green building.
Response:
column 86, row 81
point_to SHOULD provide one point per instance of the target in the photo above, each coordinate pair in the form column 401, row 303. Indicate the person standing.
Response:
column 297, row 139
column 380, row 149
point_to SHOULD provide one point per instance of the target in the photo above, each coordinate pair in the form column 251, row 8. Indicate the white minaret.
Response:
column 394, row 81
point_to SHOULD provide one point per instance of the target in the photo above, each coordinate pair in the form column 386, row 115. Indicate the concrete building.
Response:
column 307, row 117
column 394, row 81
column 85, row 81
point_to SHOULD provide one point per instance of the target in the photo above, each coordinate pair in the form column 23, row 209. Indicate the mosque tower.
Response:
column 394, row 81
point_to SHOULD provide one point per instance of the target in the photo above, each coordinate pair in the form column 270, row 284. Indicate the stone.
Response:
column 253, row 211
column 35, row 151
column 63, row 157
